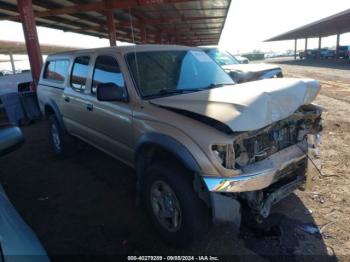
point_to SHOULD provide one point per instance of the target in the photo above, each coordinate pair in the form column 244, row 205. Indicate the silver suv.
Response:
column 242, row 72
column 202, row 146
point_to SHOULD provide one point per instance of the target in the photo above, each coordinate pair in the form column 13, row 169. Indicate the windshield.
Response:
column 162, row 73
column 222, row 57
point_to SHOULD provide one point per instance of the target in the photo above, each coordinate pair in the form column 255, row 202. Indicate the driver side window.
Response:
column 106, row 71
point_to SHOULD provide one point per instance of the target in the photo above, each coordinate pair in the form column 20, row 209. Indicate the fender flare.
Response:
column 170, row 144
column 183, row 155
column 52, row 104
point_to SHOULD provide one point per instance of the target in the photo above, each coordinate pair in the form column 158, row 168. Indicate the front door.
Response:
column 110, row 122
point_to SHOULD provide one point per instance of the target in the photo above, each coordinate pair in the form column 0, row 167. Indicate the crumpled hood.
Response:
column 252, row 68
column 248, row 106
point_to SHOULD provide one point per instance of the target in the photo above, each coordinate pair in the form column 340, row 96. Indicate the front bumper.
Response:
column 262, row 174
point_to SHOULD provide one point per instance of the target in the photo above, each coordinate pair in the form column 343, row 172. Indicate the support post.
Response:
column 111, row 28
column 31, row 37
column 295, row 49
column 337, row 46
column 319, row 46
column 305, row 48
column 12, row 63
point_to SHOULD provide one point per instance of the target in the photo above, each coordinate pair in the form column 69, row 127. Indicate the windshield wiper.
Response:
column 212, row 85
column 183, row 90
column 173, row 92
column 176, row 91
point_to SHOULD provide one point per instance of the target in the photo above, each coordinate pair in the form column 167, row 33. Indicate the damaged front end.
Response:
column 274, row 161
column 303, row 125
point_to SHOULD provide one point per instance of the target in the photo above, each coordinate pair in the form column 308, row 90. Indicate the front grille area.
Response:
column 267, row 142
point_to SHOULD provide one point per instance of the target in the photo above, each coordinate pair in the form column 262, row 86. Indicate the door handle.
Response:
column 89, row 107
column 66, row 98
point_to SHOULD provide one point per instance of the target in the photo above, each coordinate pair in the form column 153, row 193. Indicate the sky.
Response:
column 249, row 22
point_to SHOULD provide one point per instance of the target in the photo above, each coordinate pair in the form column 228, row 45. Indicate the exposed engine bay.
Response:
column 250, row 147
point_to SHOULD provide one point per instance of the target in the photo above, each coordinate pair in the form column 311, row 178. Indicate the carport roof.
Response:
column 332, row 25
column 196, row 22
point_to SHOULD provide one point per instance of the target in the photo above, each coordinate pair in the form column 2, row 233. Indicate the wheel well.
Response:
column 150, row 153
column 49, row 111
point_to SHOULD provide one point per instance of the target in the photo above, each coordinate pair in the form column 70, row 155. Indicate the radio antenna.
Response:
column 133, row 41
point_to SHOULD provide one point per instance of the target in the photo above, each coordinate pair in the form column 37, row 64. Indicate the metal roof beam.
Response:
column 138, row 26
column 100, row 7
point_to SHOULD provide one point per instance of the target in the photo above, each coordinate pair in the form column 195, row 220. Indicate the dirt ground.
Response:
column 330, row 196
column 86, row 205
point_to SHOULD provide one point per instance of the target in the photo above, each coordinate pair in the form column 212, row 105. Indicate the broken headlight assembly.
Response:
column 225, row 155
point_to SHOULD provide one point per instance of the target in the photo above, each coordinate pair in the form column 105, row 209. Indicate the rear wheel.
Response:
column 176, row 211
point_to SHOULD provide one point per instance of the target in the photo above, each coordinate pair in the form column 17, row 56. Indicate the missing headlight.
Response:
column 225, row 155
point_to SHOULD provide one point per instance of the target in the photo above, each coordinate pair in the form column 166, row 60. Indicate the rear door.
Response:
column 74, row 105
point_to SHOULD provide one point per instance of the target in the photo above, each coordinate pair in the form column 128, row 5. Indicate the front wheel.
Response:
column 176, row 211
column 57, row 137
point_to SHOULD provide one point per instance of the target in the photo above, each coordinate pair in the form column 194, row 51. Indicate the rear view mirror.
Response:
column 110, row 92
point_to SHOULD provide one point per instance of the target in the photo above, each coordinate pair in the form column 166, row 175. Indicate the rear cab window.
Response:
column 56, row 70
column 80, row 72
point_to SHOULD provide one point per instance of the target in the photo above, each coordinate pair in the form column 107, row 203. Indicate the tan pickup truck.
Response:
column 202, row 146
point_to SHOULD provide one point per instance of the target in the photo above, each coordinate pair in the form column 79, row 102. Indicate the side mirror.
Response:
column 110, row 92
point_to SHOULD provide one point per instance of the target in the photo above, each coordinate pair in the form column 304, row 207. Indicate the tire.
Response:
column 57, row 137
column 193, row 216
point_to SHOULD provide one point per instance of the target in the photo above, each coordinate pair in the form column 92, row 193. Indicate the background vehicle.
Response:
column 201, row 145
column 344, row 51
column 313, row 53
column 310, row 53
column 5, row 73
column 242, row 72
column 242, row 59
column 327, row 53
column 17, row 240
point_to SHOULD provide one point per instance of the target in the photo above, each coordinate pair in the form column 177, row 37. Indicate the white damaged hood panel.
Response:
column 248, row 106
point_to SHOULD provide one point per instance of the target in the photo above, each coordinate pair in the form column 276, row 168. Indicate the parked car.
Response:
column 242, row 72
column 242, row 59
column 17, row 240
column 310, row 54
column 344, row 51
column 5, row 73
column 327, row 53
column 202, row 146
